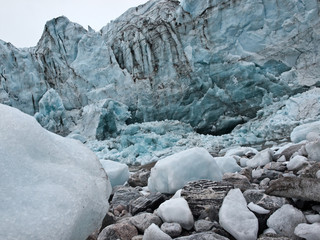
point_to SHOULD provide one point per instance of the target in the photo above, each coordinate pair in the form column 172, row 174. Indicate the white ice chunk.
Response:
column 313, row 150
column 227, row 164
column 153, row 232
column 117, row 172
column 51, row 187
column 173, row 172
column 308, row 231
column 257, row 209
column 300, row 133
column 297, row 162
column 236, row 218
column 176, row 211
column 261, row 159
column 241, row 151
column 285, row 220
column 313, row 218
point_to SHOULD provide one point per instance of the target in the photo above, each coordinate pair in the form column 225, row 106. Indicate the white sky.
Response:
column 22, row 21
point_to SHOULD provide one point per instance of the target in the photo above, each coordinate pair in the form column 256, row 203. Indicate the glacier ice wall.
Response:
column 211, row 64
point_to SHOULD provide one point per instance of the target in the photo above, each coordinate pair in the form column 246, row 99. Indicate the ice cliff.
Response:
column 213, row 64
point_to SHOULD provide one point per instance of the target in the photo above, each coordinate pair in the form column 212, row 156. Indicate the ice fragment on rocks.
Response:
column 117, row 172
column 300, row 132
column 155, row 233
column 176, row 210
column 297, row 162
column 261, row 159
column 173, row 172
column 235, row 217
column 285, row 220
column 308, row 231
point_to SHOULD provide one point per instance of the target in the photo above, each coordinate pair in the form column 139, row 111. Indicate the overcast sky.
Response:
column 22, row 21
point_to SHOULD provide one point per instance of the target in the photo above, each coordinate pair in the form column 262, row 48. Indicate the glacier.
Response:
column 228, row 72
column 50, row 185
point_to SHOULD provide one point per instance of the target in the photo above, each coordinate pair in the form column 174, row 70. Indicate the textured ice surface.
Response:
column 300, row 132
column 214, row 65
column 50, row 185
column 227, row 164
column 118, row 173
column 176, row 211
column 173, row 172
column 235, row 217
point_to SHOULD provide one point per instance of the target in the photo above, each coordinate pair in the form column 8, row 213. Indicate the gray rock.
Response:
column 293, row 187
column 143, row 203
column 277, row 166
column 269, row 236
column 285, row 220
column 203, row 236
column 310, row 171
column 123, row 196
column 205, row 194
column 258, row 197
column 172, row 229
column 203, row 225
column 123, row 231
column 139, row 237
column 139, row 178
column 289, row 151
column 154, row 233
column 237, row 180
column 308, row 231
column 144, row 220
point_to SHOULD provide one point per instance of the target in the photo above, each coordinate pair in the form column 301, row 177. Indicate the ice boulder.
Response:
column 301, row 132
column 103, row 119
column 236, row 218
column 227, row 164
column 51, row 113
column 51, row 187
column 261, row 159
column 176, row 211
column 173, row 172
column 118, row 173
column 313, row 150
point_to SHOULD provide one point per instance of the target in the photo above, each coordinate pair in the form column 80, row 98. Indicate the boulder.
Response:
column 172, row 229
column 144, row 220
column 123, row 231
column 261, row 159
column 176, row 210
column 50, row 185
column 143, row 203
column 205, row 195
column 154, row 233
column 203, row 236
column 285, row 220
column 236, row 218
column 117, row 172
column 293, row 187
column 173, row 172
column 124, row 196
column 308, row 231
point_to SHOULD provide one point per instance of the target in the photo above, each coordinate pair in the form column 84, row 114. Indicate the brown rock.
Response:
column 123, row 231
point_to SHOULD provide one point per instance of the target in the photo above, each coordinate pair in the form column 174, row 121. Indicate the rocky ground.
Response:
column 277, row 197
